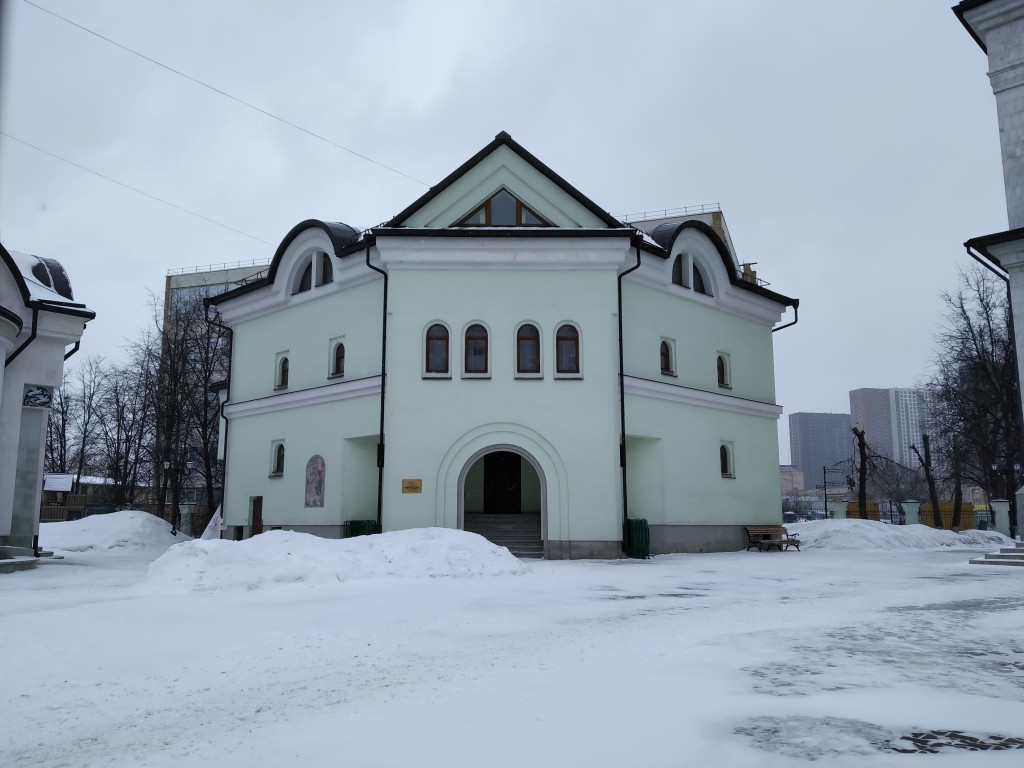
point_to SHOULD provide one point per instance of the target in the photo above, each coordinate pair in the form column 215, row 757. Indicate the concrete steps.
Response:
column 1005, row 556
column 519, row 532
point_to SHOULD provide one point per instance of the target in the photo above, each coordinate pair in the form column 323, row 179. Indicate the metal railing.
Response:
column 215, row 267
column 666, row 213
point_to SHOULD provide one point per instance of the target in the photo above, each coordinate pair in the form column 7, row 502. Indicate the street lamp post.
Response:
column 175, row 468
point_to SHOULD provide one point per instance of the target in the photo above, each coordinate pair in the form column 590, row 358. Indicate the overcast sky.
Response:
column 852, row 145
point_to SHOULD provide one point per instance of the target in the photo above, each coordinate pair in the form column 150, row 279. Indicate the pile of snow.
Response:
column 281, row 557
column 129, row 529
column 867, row 534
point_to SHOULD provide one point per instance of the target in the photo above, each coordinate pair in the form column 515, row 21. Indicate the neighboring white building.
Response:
column 459, row 366
column 39, row 321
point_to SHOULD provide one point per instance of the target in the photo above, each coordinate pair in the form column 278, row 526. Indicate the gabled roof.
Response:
column 504, row 140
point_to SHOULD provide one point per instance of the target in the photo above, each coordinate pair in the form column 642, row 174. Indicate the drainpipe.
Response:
column 383, row 387
column 74, row 349
column 622, row 414
column 29, row 340
column 796, row 316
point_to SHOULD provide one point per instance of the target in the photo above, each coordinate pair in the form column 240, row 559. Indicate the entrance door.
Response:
column 256, row 526
column 503, row 483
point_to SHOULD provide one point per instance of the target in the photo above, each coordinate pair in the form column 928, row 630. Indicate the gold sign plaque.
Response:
column 412, row 486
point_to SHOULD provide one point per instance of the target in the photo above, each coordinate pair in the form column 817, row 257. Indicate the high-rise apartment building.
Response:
column 892, row 420
column 818, row 440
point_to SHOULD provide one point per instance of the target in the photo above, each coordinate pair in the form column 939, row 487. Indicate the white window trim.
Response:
column 331, row 345
column 672, row 371
column 554, row 349
column 687, row 262
column 728, row 370
column 462, row 349
column 540, row 351
column 731, row 456
column 278, row 386
column 423, row 351
column 273, row 458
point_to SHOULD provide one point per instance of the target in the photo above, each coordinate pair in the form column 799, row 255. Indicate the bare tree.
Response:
column 976, row 402
column 90, row 380
column 929, row 476
column 59, row 435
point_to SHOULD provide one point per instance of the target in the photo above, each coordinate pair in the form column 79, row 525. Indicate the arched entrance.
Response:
column 503, row 500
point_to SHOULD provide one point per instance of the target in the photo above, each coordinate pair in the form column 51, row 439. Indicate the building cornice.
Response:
column 701, row 398
column 329, row 393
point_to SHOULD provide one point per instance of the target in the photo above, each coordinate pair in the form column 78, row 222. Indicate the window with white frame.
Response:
column 277, row 458
column 436, row 351
column 281, row 371
column 476, row 355
column 724, row 371
column 528, row 351
column 337, row 360
column 725, row 459
column 567, row 351
column 667, row 353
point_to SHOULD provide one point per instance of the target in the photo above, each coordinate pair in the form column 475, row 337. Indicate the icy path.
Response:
column 742, row 659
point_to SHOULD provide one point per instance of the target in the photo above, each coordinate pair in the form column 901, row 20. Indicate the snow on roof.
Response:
column 46, row 278
column 58, row 482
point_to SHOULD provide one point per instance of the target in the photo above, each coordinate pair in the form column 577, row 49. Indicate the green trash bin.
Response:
column 639, row 539
column 351, row 528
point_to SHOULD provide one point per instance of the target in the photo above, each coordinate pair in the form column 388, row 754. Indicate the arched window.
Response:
column 677, row 270
column 278, row 459
column 527, row 349
column 326, row 269
column 698, row 281
column 723, row 371
column 338, row 366
column 437, row 349
column 666, row 357
column 476, row 349
column 282, row 373
column 567, row 349
column 725, row 458
column 306, row 280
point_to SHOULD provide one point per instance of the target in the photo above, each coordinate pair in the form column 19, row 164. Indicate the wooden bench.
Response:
column 764, row 537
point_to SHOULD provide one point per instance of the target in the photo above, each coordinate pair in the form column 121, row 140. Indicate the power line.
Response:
column 133, row 189
column 225, row 94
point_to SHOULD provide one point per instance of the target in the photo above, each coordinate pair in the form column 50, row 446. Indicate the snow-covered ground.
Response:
column 435, row 648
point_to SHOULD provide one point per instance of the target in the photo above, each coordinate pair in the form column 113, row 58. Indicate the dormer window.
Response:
column 306, row 280
column 699, row 285
column 503, row 210
column 326, row 270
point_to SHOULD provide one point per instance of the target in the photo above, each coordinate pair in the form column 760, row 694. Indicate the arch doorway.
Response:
column 502, row 500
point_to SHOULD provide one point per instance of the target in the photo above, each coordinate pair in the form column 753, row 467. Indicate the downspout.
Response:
column 74, row 349
column 29, row 340
column 1002, row 275
column 622, row 413
column 383, row 387
column 796, row 316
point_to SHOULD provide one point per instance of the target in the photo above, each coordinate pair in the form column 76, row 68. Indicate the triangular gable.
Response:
column 504, row 164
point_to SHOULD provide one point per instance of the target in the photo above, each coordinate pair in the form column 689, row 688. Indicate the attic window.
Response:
column 503, row 210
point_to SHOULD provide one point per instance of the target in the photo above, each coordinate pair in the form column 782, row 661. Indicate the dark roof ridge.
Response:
column 504, row 139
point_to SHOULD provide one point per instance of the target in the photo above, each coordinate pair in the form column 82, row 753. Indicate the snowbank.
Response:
column 129, row 529
column 867, row 534
column 281, row 557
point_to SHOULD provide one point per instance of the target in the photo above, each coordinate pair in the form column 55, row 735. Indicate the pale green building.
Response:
column 506, row 357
